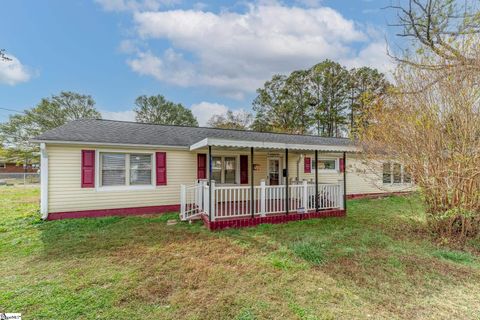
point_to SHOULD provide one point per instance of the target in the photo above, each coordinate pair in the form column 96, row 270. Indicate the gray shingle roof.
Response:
column 121, row 132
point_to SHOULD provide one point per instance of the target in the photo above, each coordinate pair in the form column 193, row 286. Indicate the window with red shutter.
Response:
column 243, row 169
column 201, row 166
column 161, row 170
column 88, row 168
column 307, row 166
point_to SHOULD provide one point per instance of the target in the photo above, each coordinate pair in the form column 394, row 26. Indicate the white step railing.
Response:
column 236, row 201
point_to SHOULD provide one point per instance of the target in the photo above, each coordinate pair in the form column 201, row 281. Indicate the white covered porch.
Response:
column 275, row 192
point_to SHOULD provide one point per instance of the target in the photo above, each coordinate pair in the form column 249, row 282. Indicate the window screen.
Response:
column 140, row 169
column 326, row 164
column 230, row 167
column 397, row 173
column 113, row 169
column 387, row 172
column 407, row 178
column 217, row 169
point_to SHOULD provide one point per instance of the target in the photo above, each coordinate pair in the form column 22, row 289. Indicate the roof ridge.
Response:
column 223, row 129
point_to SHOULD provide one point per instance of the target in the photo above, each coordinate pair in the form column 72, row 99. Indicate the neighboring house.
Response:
column 93, row 168
column 9, row 166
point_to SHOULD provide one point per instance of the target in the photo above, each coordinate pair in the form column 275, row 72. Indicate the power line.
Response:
column 13, row 110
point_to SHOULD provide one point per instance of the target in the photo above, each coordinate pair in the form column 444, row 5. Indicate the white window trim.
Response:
column 3, row 165
column 337, row 166
column 237, row 168
column 402, row 176
column 127, row 187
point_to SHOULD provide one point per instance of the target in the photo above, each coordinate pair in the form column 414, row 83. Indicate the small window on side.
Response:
column 387, row 173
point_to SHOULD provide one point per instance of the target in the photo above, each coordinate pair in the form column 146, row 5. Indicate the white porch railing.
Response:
column 235, row 201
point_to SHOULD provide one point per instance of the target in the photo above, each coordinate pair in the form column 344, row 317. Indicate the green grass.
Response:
column 377, row 263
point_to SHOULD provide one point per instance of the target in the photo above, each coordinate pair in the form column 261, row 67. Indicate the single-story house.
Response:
column 228, row 178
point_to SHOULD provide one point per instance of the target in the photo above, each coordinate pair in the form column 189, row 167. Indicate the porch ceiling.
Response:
column 271, row 145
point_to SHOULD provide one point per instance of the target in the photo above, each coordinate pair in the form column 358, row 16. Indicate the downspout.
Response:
column 43, row 181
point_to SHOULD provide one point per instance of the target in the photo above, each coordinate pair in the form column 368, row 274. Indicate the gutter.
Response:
column 43, row 181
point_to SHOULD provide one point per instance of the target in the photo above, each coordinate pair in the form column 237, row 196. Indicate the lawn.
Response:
column 378, row 262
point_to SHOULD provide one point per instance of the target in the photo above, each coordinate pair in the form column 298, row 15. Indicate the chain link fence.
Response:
column 19, row 179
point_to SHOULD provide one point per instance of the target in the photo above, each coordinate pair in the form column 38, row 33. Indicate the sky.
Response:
column 210, row 56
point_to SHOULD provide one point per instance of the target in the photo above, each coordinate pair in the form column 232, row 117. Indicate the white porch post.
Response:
column 305, row 196
column 213, row 200
column 183, row 200
column 44, row 181
column 262, row 198
column 340, row 202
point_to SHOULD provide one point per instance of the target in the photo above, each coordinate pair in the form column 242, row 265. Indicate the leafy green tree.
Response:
column 271, row 107
column 158, row 110
column 231, row 120
column 299, row 101
column 365, row 83
column 330, row 81
column 50, row 113
column 326, row 99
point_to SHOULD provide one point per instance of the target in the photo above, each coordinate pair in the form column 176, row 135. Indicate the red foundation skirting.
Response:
column 377, row 195
column 113, row 212
column 251, row 222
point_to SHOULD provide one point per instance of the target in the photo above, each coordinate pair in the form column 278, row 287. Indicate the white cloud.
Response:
column 128, row 115
column 171, row 67
column 310, row 3
column 203, row 111
column 135, row 5
column 373, row 55
column 13, row 71
column 235, row 53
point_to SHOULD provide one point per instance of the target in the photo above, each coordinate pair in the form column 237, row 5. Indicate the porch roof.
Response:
column 232, row 143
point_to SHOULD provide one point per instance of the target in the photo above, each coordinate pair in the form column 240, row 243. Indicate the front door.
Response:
column 274, row 171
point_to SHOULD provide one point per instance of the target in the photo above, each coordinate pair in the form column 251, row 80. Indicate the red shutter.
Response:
column 342, row 165
column 201, row 166
column 161, row 159
column 307, row 165
column 88, row 168
column 243, row 169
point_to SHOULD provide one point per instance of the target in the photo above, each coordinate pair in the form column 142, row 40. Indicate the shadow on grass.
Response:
column 98, row 236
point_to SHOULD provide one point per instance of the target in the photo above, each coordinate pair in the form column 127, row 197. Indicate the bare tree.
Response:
column 439, row 28
column 435, row 134
column 3, row 56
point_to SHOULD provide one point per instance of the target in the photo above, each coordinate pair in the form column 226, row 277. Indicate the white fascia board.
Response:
column 52, row 142
column 199, row 144
column 270, row 145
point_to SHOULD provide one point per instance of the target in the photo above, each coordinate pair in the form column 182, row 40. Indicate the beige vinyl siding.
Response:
column 360, row 178
column 65, row 193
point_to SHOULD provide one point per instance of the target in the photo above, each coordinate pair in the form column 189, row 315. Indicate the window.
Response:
column 217, row 169
column 407, row 178
column 3, row 165
column 387, row 172
column 330, row 164
column 113, row 169
column 140, row 169
column 123, row 169
column 224, row 169
column 395, row 173
column 230, row 170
